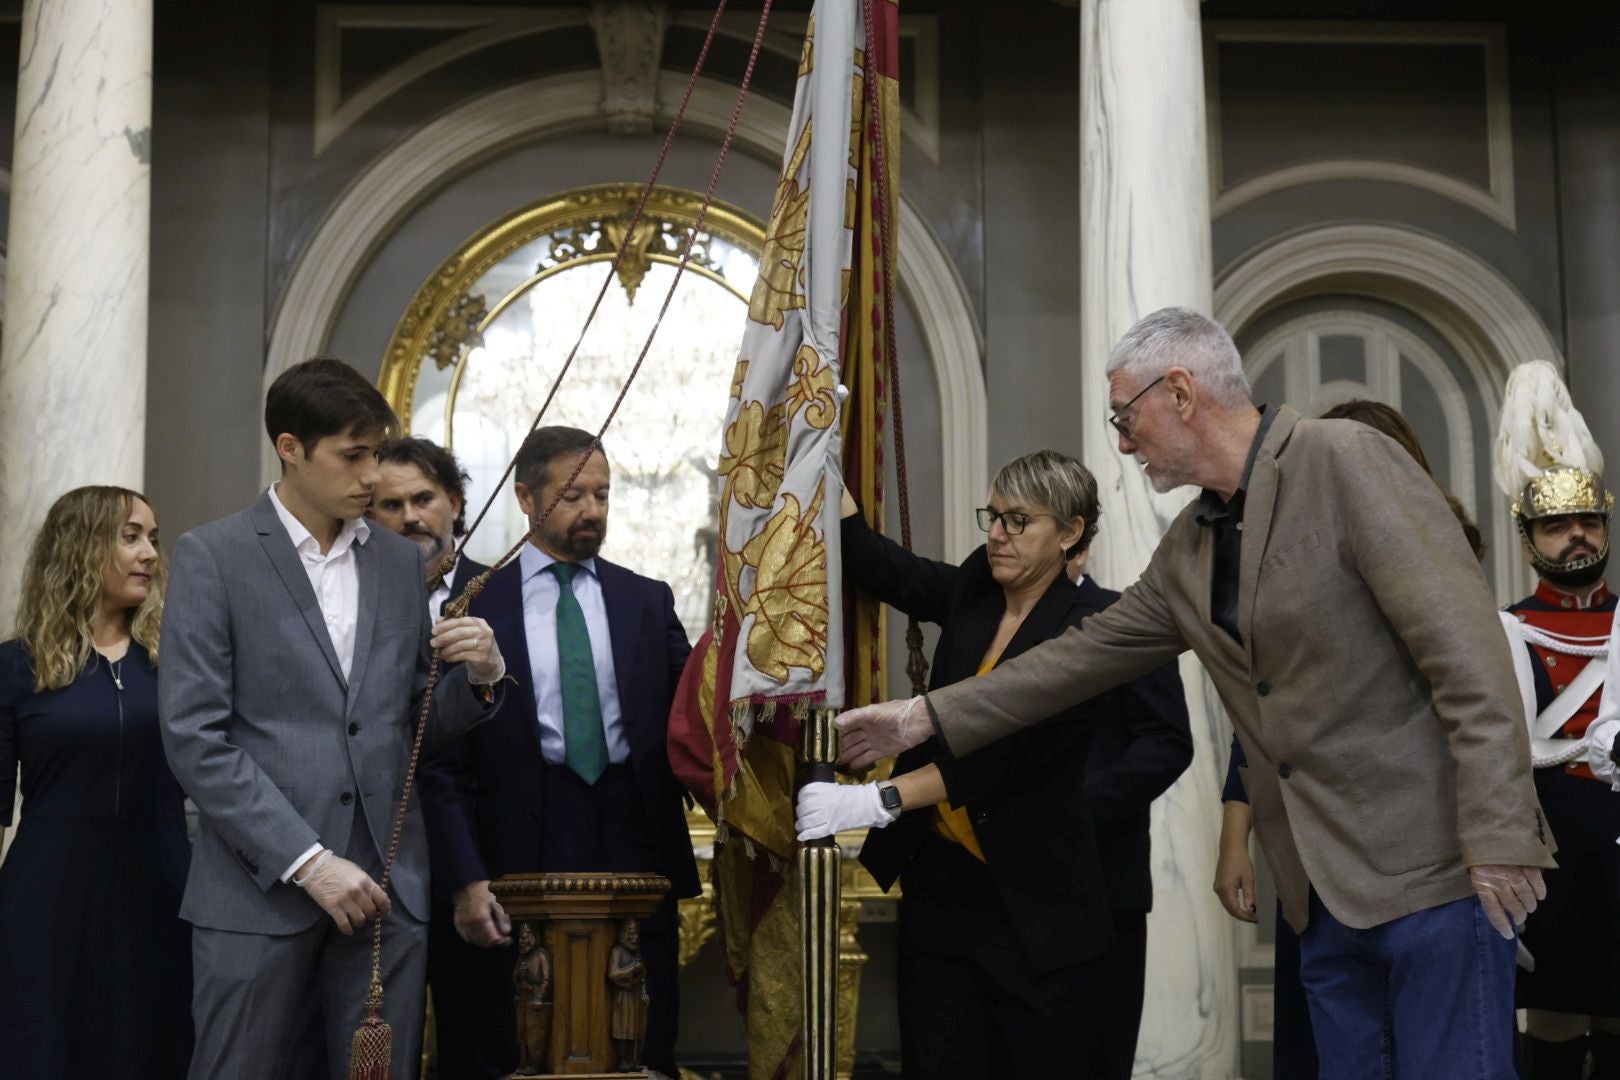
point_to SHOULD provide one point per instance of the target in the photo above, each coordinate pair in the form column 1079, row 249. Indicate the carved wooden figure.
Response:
column 531, row 1002
column 627, row 974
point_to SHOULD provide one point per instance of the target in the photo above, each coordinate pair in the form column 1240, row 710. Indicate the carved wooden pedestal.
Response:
column 578, row 986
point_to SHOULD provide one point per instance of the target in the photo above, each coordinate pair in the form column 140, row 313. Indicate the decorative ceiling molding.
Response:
column 630, row 41
column 383, row 196
column 1495, row 201
column 481, row 27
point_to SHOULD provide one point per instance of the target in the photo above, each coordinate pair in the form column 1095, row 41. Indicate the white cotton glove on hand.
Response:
column 1600, row 748
column 824, row 809
column 1508, row 894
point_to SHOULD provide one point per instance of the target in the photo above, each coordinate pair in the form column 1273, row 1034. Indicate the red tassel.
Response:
column 371, row 1053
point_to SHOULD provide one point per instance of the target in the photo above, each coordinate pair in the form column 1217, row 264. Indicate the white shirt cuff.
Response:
column 314, row 849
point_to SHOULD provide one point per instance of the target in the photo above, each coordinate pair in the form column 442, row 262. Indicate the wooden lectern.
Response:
column 579, row 985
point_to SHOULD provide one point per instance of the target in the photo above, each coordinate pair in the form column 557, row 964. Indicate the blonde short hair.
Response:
column 1058, row 484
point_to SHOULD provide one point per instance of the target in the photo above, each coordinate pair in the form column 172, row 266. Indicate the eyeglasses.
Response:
column 1011, row 520
column 1122, row 425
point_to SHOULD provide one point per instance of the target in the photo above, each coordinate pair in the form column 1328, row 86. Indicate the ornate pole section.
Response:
column 1144, row 245
column 818, row 866
column 73, row 363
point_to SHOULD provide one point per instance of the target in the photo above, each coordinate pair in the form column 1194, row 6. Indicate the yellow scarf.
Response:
column 952, row 822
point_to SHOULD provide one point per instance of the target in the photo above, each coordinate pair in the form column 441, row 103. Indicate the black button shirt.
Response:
column 1225, row 517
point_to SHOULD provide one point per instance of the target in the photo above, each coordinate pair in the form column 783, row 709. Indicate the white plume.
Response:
column 1540, row 427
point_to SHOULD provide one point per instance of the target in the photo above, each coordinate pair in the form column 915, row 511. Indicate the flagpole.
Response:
column 819, row 865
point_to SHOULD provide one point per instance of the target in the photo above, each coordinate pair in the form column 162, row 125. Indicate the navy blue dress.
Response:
column 95, row 962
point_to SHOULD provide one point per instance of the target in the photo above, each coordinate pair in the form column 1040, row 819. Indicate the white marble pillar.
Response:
column 1145, row 244
column 73, row 361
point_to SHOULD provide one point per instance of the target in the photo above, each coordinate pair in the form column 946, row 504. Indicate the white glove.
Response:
column 825, row 809
column 1599, row 745
column 868, row 734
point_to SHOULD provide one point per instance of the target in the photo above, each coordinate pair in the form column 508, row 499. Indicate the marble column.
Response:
column 1145, row 244
column 73, row 359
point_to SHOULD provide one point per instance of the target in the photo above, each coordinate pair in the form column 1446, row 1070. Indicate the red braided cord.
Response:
column 891, row 356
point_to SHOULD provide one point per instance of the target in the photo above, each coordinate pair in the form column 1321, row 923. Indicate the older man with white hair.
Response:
column 1322, row 580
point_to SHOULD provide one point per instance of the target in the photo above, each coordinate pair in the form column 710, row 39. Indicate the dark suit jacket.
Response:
column 1026, row 795
column 435, row 780
column 489, row 823
column 1139, row 747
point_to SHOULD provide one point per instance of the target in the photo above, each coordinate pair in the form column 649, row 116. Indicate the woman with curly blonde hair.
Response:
column 95, row 963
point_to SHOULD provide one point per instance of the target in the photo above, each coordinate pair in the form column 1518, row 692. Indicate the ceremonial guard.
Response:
column 1548, row 464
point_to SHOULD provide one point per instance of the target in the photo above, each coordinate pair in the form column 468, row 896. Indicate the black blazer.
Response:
column 1027, row 794
column 434, row 780
column 486, row 820
column 1138, row 748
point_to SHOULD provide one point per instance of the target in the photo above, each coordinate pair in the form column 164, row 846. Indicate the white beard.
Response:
column 1161, row 482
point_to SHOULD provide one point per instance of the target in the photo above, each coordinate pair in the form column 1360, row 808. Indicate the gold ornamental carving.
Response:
column 459, row 329
column 446, row 318
column 697, row 923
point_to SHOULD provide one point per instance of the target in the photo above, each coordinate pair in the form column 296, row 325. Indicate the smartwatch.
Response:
column 889, row 795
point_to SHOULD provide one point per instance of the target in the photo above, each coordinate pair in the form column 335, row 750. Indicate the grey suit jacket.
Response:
column 1373, row 692
column 266, row 735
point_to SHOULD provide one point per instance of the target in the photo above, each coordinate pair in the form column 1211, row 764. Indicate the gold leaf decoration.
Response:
column 813, row 390
column 778, row 288
column 789, row 602
column 457, row 330
column 635, row 245
column 756, row 454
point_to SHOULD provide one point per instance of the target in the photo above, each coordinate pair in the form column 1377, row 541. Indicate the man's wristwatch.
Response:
column 889, row 795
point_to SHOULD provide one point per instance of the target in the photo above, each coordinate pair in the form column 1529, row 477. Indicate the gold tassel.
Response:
column 372, row 1052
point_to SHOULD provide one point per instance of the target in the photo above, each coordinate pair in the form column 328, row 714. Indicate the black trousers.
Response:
column 584, row 828
column 468, row 986
column 1124, row 973
column 972, row 1004
column 1575, row 932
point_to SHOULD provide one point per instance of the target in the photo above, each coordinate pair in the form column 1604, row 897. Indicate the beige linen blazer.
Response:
column 1373, row 692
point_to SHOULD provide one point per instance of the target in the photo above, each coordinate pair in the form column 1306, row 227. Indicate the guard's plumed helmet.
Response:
column 1549, row 465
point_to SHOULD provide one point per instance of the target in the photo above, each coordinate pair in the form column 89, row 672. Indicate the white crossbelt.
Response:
column 1546, row 749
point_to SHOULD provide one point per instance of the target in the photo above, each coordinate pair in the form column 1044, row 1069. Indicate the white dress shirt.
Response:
column 540, row 592
column 335, row 577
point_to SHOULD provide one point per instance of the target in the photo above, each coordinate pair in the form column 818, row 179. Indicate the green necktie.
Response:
column 585, row 747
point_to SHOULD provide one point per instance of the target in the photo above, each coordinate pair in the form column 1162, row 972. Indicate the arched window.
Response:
column 484, row 339
column 1326, row 350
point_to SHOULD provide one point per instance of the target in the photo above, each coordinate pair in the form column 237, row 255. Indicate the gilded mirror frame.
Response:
column 445, row 318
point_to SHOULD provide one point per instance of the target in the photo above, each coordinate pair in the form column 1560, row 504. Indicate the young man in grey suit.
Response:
column 1323, row 582
column 296, row 644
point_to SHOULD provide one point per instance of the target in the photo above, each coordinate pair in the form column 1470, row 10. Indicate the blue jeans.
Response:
column 1428, row 996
